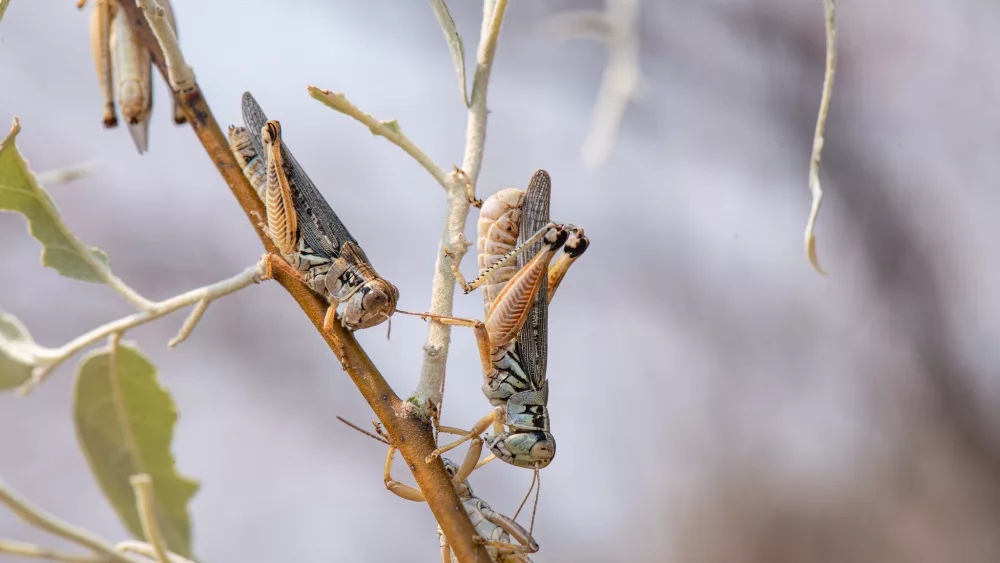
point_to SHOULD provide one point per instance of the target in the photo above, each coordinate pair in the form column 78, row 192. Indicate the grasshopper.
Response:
column 513, row 341
column 310, row 237
column 494, row 530
column 124, row 69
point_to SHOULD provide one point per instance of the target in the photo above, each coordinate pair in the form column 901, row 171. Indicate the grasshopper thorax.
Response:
column 533, row 450
column 373, row 303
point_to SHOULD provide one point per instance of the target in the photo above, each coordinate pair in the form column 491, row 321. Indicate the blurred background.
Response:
column 714, row 399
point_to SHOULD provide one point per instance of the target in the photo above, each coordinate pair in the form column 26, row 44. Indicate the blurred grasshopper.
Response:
column 124, row 69
column 494, row 530
column 513, row 342
column 308, row 234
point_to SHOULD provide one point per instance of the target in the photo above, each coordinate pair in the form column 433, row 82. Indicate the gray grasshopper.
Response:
column 308, row 234
column 494, row 530
column 513, row 341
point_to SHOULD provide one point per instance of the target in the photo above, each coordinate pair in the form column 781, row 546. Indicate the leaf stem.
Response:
column 142, row 485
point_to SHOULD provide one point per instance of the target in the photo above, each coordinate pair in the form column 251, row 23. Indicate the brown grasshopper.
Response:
column 310, row 237
column 494, row 530
column 124, row 69
column 513, row 341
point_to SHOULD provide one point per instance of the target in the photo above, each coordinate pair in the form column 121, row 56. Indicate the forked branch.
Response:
column 429, row 391
column 411, row 431
column 46, row 360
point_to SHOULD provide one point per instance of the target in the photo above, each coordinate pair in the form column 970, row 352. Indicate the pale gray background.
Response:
column 714, row 400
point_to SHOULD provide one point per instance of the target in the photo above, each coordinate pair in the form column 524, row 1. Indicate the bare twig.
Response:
column 830, row 11
column 142, row 485
column 21, row 549
column 618, row 27
column 411, row 430
column 179, row 74
column 388, row 129
column 38, row 518
column 429, row 389
column 49, row 359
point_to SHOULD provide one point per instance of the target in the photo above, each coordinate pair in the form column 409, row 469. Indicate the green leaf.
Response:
column 20, row 192
column 3, row 7
column 125, row 424
column 454, row 45
column 17, row 352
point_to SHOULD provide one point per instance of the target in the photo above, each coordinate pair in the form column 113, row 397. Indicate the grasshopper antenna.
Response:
column 363, row 431
column 421, row 315
column 534, row 478
column 534, row 510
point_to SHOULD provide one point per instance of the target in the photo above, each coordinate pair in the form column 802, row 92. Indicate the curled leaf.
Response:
column 20, row 192
column 454, row 45
column 125, row 425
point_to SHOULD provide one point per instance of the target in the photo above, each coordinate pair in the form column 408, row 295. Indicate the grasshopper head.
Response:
column 372, row 304
column 533, row 450
column 270, row 132
column 462, row 488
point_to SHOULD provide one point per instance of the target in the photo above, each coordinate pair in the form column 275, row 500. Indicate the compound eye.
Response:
column 543, row 450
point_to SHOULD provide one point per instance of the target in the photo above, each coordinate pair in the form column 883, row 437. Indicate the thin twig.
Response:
column 179, row 74
column 63, row 175
column 412, row 431
column 38, row 518
column 363, row 431
column 196, row 314
column 428, row 392
column 388, row 129
column 475, row 129
column 142, row 485
column 830, row 11
column 617, row 26
column 50, row 359
column 21, row 549
column 146, row 550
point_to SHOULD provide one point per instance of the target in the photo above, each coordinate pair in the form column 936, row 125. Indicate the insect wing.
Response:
column 318, row 224
column 532, row 340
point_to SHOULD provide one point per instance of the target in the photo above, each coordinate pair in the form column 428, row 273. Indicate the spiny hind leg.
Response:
column 575, row 246
column 506, row 258
column 480, row 427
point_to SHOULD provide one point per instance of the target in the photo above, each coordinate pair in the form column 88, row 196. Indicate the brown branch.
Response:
column 411, row 432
